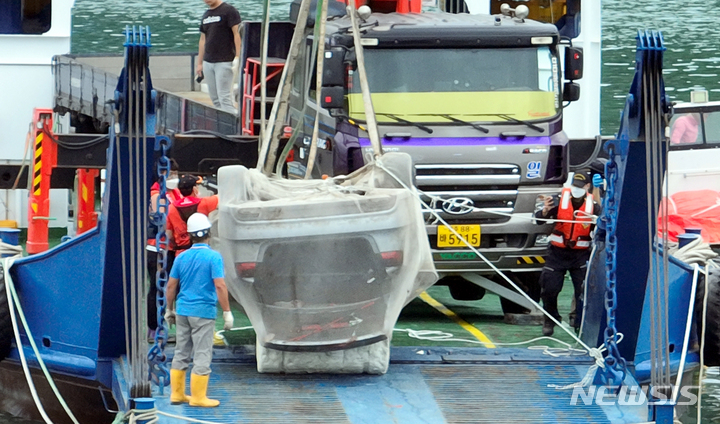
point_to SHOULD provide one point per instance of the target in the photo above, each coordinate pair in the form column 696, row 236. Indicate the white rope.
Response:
column 702, row 340
column 192, row 420
column 437, row 199
column 442, row 336
column 10, row 249
column 688, row 328
column 13, row 298
column 595, row 353
column 695, row 252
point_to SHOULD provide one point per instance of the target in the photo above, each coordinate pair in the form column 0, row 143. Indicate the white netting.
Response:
column 323, row 264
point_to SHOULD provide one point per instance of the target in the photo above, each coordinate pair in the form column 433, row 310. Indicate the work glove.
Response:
column 236, row 65
column 229, row 319
column 597, row 180
column 170, row 317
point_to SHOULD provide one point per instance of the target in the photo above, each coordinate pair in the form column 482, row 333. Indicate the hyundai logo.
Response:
column 458, row 206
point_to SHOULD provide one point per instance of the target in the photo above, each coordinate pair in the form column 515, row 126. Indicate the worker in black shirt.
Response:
column 219, row 51
column 570, row 242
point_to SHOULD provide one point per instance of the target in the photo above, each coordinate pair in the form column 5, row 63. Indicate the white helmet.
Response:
column 198, row 224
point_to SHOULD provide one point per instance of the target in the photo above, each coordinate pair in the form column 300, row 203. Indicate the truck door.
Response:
column 326, row 130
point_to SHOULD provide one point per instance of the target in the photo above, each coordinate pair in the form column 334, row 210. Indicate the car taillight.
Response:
column 392, row 258
column 245, row 269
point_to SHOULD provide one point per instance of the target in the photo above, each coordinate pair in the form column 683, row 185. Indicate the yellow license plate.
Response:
column 446, row 238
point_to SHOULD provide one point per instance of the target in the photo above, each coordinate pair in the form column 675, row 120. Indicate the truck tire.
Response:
column 712, row 331
column 460, row 289
column 529, row 282
column 6, row 333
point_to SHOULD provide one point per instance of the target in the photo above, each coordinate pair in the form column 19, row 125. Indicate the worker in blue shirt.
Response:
column 200, row 272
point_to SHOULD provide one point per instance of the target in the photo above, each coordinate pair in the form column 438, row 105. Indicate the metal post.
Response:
column 45, row 158
column 86, row 215
column 143, row 404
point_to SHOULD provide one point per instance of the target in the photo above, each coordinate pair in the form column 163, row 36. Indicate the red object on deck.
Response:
column 45, row 159
column 86, row 215
column 389, row 6
column 693, row 209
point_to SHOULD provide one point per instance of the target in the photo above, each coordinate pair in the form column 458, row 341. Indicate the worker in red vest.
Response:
column 570, row 242
column 181, row 209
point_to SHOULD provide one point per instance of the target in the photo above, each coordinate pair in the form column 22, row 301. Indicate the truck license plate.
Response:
column 446, row 238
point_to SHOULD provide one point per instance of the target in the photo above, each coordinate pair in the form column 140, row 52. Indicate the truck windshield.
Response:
column 478, row 85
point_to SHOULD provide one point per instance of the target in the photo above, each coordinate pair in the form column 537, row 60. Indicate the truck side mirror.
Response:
column 573, row 63
column 334, row 67
column 571, row 91
column 332, row 97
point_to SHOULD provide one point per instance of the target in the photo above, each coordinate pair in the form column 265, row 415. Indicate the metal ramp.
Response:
column 439, row 385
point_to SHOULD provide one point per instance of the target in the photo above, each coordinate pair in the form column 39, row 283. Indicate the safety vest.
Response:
column 572, row 235
column 185, row 207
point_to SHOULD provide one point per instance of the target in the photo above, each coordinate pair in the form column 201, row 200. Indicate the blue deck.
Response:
column 466, row 385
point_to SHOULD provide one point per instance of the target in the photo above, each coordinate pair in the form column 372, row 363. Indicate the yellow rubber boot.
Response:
column 198, row 390
column 177, row 384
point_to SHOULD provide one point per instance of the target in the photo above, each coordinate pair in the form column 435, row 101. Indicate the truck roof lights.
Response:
column 541, row 40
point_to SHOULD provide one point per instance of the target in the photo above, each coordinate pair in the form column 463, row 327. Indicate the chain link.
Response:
column 157, row 359
column 615, row 368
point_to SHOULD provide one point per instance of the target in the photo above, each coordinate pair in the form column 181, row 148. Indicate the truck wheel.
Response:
column 712, row 331
column 462, row 289
column 529, row 282
column 5, row 323
column 466, row 291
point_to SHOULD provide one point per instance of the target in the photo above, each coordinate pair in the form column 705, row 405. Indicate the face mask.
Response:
column 577, row 192
column 171, row 183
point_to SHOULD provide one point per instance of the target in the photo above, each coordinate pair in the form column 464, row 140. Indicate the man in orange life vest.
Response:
column 181, row 209
column 570, row 242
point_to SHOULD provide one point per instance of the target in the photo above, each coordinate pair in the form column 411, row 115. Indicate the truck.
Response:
column 477, row 100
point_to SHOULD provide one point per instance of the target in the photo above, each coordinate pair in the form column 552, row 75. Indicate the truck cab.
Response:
column 476, row 100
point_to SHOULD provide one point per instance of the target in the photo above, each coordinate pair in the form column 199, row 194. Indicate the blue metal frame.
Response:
column 72, row 294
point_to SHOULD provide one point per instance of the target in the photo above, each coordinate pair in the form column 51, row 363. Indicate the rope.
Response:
column 577, row 213
column 688, row 328
column 371, row 126
column 13, row 298
column 320, row 24
column 595, row 353
column 150, row 416
column 695, row 252
column 702, row 340
column 10, row 249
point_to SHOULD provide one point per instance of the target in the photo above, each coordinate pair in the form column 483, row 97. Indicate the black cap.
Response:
column 581, row 178
column 188, row 181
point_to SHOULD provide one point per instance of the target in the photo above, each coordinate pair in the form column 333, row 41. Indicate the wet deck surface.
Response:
column 427, row 382
column 408, row 393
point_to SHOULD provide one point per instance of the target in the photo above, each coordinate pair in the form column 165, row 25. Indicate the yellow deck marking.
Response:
column 527, row 260
column 541, row 259
column 459, row 321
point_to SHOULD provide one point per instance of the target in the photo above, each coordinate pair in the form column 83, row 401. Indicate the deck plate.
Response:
column 507, row 391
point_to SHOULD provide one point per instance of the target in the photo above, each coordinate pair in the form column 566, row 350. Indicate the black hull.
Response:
column 82, row 396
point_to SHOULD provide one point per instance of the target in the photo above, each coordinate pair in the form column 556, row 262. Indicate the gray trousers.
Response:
column 194, row 342
column 219, row 79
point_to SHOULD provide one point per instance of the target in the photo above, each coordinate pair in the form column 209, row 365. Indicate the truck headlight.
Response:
column 541, row 240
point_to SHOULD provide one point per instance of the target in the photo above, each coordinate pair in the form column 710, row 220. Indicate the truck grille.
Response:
column 477, row 193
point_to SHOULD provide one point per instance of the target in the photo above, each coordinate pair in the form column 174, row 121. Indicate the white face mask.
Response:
column 577, row 192
column 172, row 183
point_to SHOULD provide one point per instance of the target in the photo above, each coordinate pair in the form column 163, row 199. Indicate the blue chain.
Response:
column 157, row 359
column 615, row 365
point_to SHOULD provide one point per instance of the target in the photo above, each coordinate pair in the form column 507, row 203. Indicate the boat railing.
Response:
column 85, row 87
